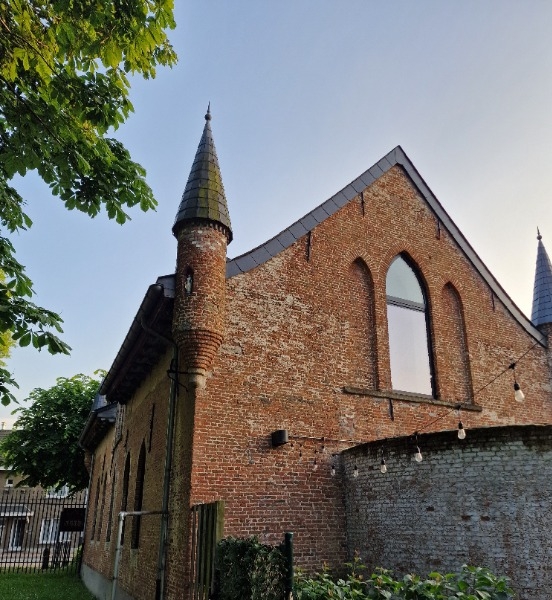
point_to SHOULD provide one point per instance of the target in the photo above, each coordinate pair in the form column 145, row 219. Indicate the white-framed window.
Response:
column 17, row 532
column 63, row 492
column 9, row 483
column 407, row 319
column 48, row 531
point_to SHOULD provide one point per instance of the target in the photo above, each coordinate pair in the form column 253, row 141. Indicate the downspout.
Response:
column 122, row 517
column 162, row 556
column 173, row 395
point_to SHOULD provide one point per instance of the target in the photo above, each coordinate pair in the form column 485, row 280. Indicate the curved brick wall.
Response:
column 486, row 501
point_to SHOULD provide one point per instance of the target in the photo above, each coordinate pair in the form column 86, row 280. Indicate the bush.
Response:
column 247, row 569
column 472, row 583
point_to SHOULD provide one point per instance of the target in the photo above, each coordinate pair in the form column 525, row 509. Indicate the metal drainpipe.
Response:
column 173, row 395
column 122, row 517
column 162, row 556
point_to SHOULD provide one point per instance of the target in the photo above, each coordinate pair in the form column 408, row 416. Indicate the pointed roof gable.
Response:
column 204, row 198
column 397, row 156
column 542, row 291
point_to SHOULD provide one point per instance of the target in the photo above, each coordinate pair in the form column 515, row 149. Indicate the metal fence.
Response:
column 40, row 529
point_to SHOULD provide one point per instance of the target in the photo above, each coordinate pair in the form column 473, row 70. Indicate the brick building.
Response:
column 245, row 380
column 30, row 520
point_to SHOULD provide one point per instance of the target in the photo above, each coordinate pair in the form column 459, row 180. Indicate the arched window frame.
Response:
column 421, row 307
column 138, row 497
column 124, row 495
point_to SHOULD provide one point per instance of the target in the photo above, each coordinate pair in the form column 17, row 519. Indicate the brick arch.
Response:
column 362, row 321
column 453, row 359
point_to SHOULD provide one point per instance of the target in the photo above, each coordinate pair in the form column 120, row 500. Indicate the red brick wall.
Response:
column 296, row 333
column 138, row 568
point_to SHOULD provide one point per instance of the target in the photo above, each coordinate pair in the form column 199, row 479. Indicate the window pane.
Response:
column 408, row 350
column 403, row 283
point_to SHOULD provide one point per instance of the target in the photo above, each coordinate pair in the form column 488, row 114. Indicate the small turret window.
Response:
column 189, row 282
column 408, row 330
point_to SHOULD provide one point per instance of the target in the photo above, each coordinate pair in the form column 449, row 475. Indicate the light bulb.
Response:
column 383, row 467
column 333, row 471
column 518, row 394
column 314, row 465
column 355, row 471
column 461, row 431
column 418, row 456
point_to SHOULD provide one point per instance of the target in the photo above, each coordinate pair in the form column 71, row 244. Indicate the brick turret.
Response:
column 202, row 228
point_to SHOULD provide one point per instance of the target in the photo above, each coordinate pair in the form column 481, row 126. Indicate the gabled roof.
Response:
column 150, row 333
column 542, row 291
column 204, row 198
column 397, row 156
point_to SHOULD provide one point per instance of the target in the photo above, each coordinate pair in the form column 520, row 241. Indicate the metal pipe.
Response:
column 117, row 562
column 163, row 533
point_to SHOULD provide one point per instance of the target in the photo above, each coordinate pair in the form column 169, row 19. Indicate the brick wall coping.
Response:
column 530, row 435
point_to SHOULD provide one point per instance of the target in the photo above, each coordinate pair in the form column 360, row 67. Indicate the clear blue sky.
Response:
column 305, row 96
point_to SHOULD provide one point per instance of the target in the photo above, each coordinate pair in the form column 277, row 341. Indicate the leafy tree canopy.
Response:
column 64, row 67
column 43, row 446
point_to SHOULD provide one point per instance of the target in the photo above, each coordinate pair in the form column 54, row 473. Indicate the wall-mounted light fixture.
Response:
column 279, row 437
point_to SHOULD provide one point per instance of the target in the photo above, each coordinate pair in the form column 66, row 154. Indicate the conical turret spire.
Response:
column 542, row 292
column 204, row 198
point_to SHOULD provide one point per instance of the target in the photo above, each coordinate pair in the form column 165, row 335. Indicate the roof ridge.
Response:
column 264, row 252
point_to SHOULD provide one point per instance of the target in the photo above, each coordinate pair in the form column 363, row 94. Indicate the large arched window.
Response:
column 407, row 318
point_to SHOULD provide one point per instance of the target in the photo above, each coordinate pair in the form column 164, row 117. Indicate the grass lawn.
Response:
column 42, row 586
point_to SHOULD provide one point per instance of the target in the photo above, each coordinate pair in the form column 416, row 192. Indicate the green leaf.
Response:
column 56, row 105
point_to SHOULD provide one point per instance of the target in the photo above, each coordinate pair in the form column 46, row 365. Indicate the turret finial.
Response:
column 539, row 236
column 204, row 199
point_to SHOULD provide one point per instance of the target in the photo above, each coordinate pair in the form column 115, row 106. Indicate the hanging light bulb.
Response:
column 383, row 467
column 461, row 431
column 518, row 394
column 418, row 456
column 355, row 472
column 315, row 465
column 332, row 472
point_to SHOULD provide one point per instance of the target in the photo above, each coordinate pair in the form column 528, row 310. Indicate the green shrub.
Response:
column 247, row 569
column 472, row 583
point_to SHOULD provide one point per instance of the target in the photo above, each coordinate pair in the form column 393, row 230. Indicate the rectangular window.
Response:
column 49, row 531
column 410, row 371
column 16, row 534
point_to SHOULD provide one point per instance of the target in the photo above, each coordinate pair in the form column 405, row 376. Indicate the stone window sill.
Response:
column 408, row 397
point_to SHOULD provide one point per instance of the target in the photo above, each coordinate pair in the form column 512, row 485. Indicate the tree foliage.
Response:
column 43, row 446
column 64, row 67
